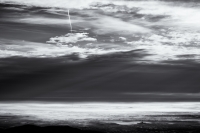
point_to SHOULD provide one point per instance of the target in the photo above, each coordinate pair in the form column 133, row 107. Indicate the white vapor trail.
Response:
column 69, row 21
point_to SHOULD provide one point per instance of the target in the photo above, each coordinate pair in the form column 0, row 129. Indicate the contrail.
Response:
column 69, row 20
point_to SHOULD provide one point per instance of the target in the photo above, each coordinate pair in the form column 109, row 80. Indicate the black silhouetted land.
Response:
column 139, row 128
column 49, row 129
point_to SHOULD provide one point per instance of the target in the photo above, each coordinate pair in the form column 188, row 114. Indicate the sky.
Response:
column 118, row 51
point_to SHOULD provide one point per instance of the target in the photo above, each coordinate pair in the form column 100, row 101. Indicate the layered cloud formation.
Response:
column 166, row 30
column 41, row 50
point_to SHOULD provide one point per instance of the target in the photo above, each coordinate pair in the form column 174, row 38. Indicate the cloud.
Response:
column 54, row 3
column 123, row 39
column 105, row 25
column 166, row 95
column 174, row 45
column 178, row 39
column 71, row 38
column 47, row 21
column 11, row 48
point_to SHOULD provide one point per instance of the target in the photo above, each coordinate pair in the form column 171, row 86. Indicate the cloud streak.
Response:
column 105, row 25
column 45, row 50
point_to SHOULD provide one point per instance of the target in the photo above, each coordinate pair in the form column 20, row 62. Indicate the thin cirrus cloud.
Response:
column 107, row 24
column 102, row 25
column 56, row 3
column 191, row 95
column 163, row 95
column 47, row 21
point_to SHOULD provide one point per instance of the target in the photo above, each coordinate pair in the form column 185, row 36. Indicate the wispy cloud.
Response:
column 46, row 21
column 165, row 94
column 71, row 38
column 106, row 24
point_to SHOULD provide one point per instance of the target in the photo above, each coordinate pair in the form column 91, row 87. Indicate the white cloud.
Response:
column 106, row 25
column 55, row 3
column 122, row 38
column 71, row 38
column 12, row 48
column 14, row 8
column 47, row 21
column 169, row 46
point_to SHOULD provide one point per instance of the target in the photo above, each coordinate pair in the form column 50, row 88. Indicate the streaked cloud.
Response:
column 166, row 95
column 44, row 50
column 105, row 25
